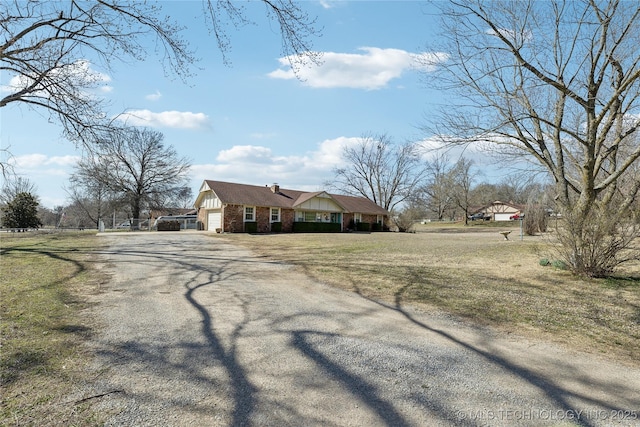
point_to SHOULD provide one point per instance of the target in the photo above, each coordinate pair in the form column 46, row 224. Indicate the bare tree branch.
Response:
column 55, row 53
column 136, row 167
column 556, row 81
column 380, row 171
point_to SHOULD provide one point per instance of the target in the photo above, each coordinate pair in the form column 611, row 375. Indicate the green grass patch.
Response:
column 560, row 265
column 45, row 278
column 621, row 282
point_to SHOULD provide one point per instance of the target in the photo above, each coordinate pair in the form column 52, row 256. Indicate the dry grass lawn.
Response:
column 472, row 272
column 45, row 280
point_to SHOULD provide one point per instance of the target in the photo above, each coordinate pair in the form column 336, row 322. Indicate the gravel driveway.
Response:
column 195, row 331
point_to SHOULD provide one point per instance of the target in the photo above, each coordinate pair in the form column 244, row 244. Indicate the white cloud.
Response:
column 154, row 96
column 38, row 161
column 258, row 165
column 169, row 119
column 245, row 154
column 329, row 154
column 370, row 70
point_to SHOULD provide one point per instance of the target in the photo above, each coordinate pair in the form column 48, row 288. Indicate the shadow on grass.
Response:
column 23, row 303
column 81, row 330
column 17, row 363
column 615, row 282
column 75, row 267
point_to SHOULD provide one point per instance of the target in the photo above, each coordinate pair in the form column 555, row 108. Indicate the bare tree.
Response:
column 14, row 186
column 48, row 49
column 183, row 198
column 436, row 193
column 461, row 179
column 135, row 166
column 536, row 217
column 379, row 170
column 89, row 197
column 556, row 82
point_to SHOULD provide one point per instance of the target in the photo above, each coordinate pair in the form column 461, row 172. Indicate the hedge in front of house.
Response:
column 363, row 226
column 316, row 227
column 169, row 226
column 276, row 227
column 251, row 227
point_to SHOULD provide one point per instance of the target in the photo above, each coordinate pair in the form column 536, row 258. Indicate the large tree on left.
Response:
column 135, row 167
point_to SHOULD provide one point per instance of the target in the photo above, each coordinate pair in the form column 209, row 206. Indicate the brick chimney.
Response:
column 275, row 188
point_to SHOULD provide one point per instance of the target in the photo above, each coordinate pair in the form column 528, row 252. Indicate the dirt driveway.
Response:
column 195, row 331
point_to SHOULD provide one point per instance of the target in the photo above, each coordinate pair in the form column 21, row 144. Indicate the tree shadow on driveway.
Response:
column 190, row 360
column 231, row 297
column 571, row 404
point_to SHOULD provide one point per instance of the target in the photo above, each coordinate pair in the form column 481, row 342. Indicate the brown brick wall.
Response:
column 233, row 218
column 263, row 218
column 287, row 216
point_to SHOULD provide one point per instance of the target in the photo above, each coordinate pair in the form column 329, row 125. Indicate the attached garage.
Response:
column 214, row 220
column 502, row 216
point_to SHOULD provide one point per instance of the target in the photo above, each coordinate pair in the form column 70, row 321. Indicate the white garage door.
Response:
column 503, row 216
column 213, row 220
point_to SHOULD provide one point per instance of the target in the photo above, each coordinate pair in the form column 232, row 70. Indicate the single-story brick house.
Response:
column 236, row 208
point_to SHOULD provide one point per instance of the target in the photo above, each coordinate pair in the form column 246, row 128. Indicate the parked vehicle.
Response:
column 128, row 225
column 479, row 216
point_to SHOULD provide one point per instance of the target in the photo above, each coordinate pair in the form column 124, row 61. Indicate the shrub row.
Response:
column 250, row 227
column 169, row 226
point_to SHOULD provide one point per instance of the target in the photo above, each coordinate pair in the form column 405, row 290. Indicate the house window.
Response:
column 249, row 213
column 275, row 214
column 304, row 216
column 357, row 217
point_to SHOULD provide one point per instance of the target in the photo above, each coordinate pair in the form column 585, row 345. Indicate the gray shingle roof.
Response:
column 242, row 194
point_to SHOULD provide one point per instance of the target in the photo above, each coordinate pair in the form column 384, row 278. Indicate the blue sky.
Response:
column 252, row 122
